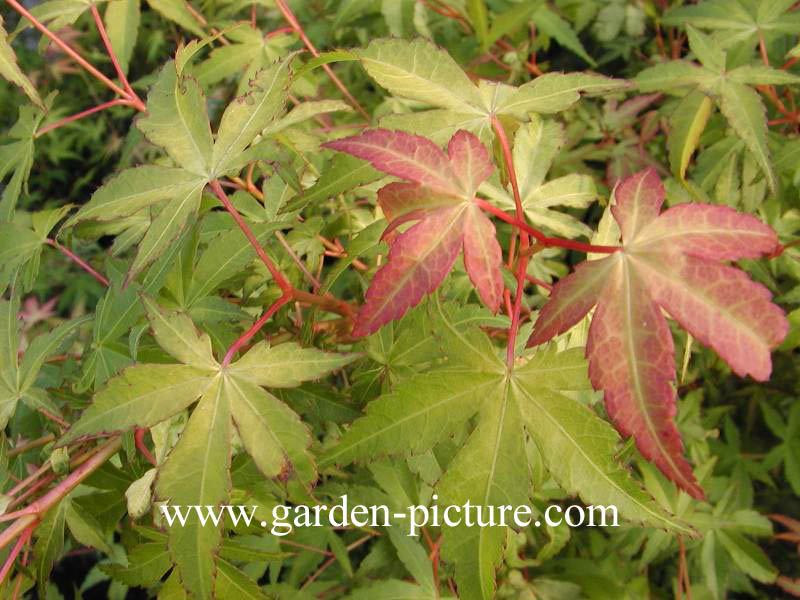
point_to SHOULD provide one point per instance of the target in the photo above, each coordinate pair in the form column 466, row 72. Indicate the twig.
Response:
column 80, row 115
column 67, row 49
column 292, row 20
column 78, row 261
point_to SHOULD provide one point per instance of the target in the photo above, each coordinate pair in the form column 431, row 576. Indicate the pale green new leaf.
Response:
column 141, row 396
column 439, row 125
column 746, row 113
column 57, row 14
column 122, row 25
column 487, row 472
column 535, row 145
column 673, row 74
column 687, row 123
column 166, row 227
column 175, row 333
column 135, row 189
column 511, row 20
column 175, row 10
column 419, row 412
column 706, row 49
column 42, row 347
column 272, row 432
column 232, row 584
column 196, row 472
column 578, row 449
column 555, row 92
column 479, row 17
column 762, row 75
column 286, row 365
column 246, row 116
column 305, row 111
column 177, row 120
column 748, row 556
column 421, row 71
column 738, row 20
column 9, row 343
column 10, row 70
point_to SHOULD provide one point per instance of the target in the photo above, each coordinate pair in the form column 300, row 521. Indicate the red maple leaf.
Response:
column 440, row 195
column 667, row 261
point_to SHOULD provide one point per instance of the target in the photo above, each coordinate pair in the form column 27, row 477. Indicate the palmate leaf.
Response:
column 419, row 70
column 535, row 145
column 738, row 20
column 440, row 196
column 740, row 104
column 491, row 470
column 667, row 261
column 17, row 156
column 197, row 469
column 177, row 120
column 17, row 380
column 10, row 70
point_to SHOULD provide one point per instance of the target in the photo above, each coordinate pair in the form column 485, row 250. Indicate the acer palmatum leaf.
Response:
column 667, row 261
column 439, row 193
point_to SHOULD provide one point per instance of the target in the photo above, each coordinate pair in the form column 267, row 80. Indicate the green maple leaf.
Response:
column 418, row 70
column 535, row 146
column 729, row 89
column 575, row 445
column 197, row 469
column 738, row 20
column 17, row 156
column 18, row 379
column 177, row 121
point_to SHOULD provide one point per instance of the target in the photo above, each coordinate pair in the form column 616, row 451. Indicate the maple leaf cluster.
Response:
column 668, row 262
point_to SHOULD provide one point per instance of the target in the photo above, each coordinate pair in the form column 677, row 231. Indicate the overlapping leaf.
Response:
column 738, row 20
column 535, row 146
column 419, row 70
column 491, row 469
column 17, row 380
column 197, row 469
column 177, row 120
column 440, row 195
column 731, row 90
column 667, row 261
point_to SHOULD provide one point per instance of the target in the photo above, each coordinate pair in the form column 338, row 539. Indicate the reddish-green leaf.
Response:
column 441, row 196
column 669, row 262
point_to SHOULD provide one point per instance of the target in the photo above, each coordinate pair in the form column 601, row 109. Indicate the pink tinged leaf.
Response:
column 470, row 160
column 712, row 232
column 639, row 198
column 631, row 358
column 404, row 155
column 572, row 297
column 720, row 306
column 403, row 202
column 418, row 261
column 483, row 257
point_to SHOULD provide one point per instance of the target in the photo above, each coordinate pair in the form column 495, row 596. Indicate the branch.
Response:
column 282, row 282
column 292, row 20
column 524, row 241
column 66, row 48
column 78, row 261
